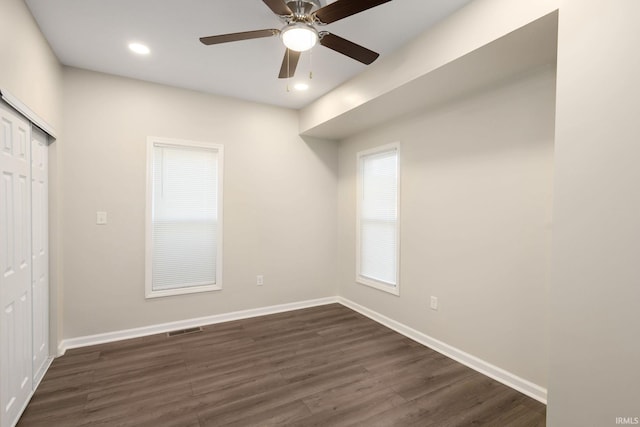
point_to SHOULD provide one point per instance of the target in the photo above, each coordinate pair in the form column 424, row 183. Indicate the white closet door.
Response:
column 40, row 252
column 15, row 266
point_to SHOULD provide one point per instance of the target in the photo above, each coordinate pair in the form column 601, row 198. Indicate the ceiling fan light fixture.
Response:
column 299, row 36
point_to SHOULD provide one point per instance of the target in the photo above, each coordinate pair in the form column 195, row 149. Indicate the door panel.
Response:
column 15, row 265
column 40, row 252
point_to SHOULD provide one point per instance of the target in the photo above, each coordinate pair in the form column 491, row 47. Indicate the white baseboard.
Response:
column 188, row 323
column 507, row 378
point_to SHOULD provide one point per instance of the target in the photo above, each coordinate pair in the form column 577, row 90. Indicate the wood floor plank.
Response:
column 355, row 409
column 144, row 405
column 288, row 414
column 214, row 407
column 324, row 366
column 327, row 399
column 236, row 390
column 414, row 385
column 460, row 397
column 55, row 411
column 107, row 395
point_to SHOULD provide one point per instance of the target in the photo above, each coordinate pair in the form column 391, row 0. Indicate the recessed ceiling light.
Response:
column 138, row 48
column 301, row 86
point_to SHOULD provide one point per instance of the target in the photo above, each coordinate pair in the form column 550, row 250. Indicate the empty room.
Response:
column 319, row 213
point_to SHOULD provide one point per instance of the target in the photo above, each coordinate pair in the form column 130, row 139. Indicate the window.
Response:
column 377, row 255
column 184, row 217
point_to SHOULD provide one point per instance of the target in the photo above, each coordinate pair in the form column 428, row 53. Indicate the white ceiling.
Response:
column 94, row 34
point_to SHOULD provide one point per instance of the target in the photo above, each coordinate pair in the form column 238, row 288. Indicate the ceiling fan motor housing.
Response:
column 303, row 8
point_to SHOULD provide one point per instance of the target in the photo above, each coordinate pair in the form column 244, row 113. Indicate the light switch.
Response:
column 101, row 218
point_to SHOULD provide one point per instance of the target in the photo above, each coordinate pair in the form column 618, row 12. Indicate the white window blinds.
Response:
column 378, row 217
column 185, row 224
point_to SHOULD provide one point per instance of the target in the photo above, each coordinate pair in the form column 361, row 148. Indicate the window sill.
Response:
column 381, row 286
column 182, row 291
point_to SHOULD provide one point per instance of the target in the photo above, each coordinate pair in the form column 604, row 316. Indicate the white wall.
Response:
column 30, row 71
column 476, row 193
column 279, row 202
column 595, row 323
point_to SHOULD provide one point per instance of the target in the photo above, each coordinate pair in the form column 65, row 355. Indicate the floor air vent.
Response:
column 184, row 332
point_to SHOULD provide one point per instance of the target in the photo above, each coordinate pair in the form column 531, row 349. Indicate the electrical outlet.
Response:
column 260, row 280
column 434, row 303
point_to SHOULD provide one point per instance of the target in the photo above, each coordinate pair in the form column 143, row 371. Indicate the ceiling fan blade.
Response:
column 343, row 8
column 279, row 7
column 233, row 37
column 289, row 64
column 348, row 48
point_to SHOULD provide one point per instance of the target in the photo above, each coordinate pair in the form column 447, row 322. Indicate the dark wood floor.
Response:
column 322, row 366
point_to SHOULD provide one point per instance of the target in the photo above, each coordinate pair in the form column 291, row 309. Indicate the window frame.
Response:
column 149, row 291
column 361, row 279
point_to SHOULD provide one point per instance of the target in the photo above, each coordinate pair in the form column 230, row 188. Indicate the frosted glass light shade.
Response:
column 299, row 37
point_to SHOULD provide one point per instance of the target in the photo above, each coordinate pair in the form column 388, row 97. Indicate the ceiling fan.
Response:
column 299, row 33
